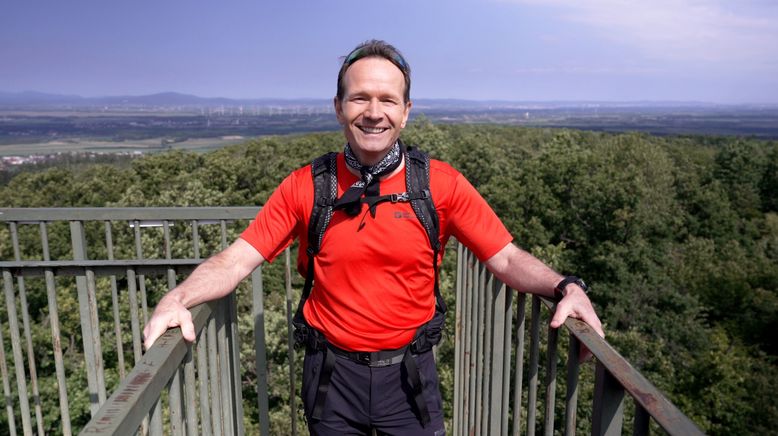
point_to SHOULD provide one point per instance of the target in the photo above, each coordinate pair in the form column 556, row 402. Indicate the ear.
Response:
column 406, row 113
column 338, row 110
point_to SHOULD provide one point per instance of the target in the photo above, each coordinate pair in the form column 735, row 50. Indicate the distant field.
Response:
column 143, row 145
column 47, row 131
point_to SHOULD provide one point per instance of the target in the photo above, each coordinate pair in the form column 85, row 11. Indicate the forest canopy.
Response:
column 683, row 228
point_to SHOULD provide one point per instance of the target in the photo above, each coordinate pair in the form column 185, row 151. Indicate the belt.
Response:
column 371, row 358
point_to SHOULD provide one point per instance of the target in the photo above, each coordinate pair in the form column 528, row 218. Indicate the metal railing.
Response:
column 202, row 395
column 136, row 248
column 489, row 366
column 196, row 388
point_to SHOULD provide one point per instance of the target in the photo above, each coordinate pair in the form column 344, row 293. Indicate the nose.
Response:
column 373, row 109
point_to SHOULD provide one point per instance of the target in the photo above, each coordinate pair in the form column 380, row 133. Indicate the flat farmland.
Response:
column 154, row 129
column 149, row 145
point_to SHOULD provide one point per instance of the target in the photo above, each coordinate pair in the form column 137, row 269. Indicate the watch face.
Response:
column 582, row 284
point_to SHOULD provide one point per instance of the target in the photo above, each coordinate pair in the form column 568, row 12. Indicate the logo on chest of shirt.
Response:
column 402, row 215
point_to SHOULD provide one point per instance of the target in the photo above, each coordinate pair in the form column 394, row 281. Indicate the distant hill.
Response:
column 173, row 114
column 162, row 99
column 34, row 99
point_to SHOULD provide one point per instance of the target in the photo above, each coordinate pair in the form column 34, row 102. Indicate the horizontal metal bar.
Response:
column 123, row 412
column 122, row 263
column 669, row 417
column 126, row 213
column 71, row 268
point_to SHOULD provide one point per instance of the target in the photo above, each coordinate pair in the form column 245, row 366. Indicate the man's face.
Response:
column 372, row 111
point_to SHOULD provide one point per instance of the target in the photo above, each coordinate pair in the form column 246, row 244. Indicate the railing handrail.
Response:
column 39, row 268
column 665, row 413
column 126, row 408
column 122, row 263
column 127, row 213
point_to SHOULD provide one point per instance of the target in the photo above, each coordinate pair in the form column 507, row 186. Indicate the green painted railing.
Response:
column 489, row 392
column 125, row 253
column 180, row 388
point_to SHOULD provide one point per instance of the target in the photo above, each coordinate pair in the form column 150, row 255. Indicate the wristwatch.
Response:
column 559, row 290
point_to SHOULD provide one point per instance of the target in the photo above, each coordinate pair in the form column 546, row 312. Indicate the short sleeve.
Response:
column 278, row 222
column 473, row 222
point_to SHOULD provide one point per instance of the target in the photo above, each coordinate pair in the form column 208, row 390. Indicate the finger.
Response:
column 594, row 322
column 560, row 315
column 187, row 327
column 151, row 332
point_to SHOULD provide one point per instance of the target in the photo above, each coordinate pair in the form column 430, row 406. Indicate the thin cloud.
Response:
column 570, row 69
column 581, row 69
column 692, row 30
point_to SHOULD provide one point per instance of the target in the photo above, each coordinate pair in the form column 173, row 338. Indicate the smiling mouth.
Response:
column 373, row 130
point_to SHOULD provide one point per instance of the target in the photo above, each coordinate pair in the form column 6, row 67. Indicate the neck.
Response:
column 368, row 160
column 399, row 168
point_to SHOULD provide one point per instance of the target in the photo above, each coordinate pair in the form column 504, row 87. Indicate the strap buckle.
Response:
column 301, row 335
column 362, row 357
column 403, row 196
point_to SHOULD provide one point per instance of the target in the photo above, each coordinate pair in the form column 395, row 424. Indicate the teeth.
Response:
column 372, row 129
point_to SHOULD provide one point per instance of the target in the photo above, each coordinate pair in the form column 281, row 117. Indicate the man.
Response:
column 375, row 282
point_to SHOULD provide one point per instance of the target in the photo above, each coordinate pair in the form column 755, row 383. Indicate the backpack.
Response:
column 325, row 188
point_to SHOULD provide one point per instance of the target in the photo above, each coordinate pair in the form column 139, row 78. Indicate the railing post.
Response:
column 9, row 406
column 498, row 409
column 214, row 377
column 480, row 351
column 290, row 340
column 459, row 342
column 13, row 326
column 534, row 354
column 233, row 342
column 59, row 364
column 608, row 407
column 571, row 397
column 519, row 363
column 27, row 334
column 551, row 354
column 473, row 345
column 225, row 366
column 260, row 346
column 506, row 362
column 89, row 329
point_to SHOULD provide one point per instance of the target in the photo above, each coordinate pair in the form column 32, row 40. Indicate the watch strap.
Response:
column 559, row 290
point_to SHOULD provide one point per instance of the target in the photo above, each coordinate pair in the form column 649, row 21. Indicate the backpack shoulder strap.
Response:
column 417, row 180
column 325, row 191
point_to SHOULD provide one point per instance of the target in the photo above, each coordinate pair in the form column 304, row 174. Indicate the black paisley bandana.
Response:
column 350, row 201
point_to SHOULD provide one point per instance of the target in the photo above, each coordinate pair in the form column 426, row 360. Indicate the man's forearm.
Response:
column 211, row 280
column 524, row 272
column 214, row 278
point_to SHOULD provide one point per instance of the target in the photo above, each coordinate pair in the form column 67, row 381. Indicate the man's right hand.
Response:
column 168, row 314
column 213, row 279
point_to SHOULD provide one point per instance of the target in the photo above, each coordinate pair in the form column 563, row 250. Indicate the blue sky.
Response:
column 721, row 51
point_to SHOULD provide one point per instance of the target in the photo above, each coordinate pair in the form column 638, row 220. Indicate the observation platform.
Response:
column 78, row 283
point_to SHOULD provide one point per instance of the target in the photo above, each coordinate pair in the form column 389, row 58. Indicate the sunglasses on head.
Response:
column 361, row 52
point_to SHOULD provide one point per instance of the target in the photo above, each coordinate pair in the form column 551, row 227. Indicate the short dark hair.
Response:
column 380, row 49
